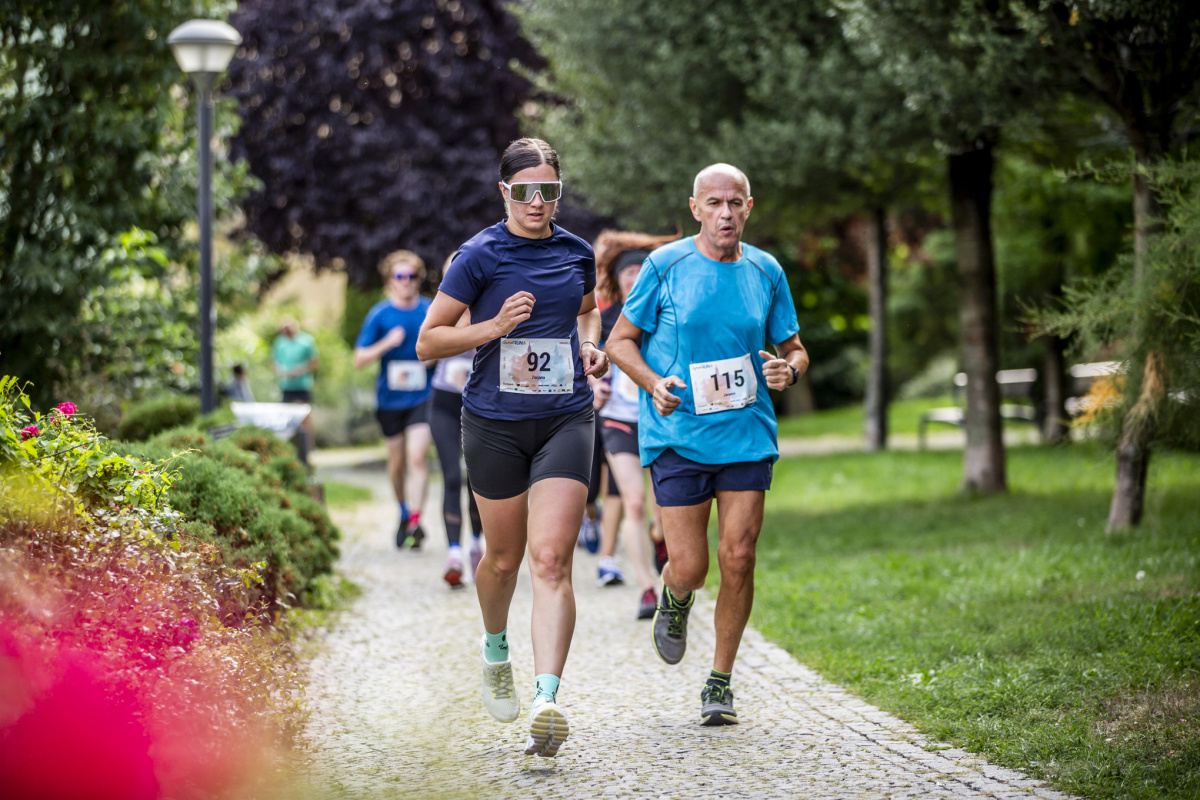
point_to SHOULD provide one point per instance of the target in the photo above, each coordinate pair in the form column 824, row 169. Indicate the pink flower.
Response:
column 67, row 408
column 29, row 433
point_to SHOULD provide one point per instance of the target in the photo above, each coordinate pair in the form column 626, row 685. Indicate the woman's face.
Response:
column 531, row 220
column 626, row 278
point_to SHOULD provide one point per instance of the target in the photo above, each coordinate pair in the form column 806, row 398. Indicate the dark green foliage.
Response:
column 98, row 181
column 151, row 417
column 82, row 107
column 358, row 303
column 247, row 495
column 1155, row 314
column 262, row 443
column 646, row 96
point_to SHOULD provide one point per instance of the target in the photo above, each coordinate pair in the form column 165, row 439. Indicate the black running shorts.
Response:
column 395, row 421
column 620, row 437
column 506, row 457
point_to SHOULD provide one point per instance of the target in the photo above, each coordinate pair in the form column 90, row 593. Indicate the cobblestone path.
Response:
column 394, row 693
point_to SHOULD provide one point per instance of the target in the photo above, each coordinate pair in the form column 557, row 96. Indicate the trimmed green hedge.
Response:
column 248, row 495
column 156, row 414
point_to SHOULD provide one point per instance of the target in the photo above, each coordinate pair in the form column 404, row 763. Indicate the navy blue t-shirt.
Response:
column 558, row 271
column 407, row 371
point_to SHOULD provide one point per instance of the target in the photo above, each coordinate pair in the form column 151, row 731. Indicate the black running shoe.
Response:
column 415, row 537
column 670, row 627
column 716, row 706
column 401, row 536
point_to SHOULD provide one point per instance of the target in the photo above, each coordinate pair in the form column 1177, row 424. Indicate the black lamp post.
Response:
column 203, row 49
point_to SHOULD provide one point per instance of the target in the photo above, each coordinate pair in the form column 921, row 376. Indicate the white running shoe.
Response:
column 499, row 693
column 547, row 729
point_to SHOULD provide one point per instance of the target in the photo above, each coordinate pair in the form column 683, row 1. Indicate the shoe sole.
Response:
column 610, row 581
column 657, row 611
column 453, row 577
column 646, row 613
column 718, row 718
column 548, row 730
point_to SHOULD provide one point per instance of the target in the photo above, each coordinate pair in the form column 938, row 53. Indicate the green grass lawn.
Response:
column 848, row 420
column 342, row 495
column 1011, row 625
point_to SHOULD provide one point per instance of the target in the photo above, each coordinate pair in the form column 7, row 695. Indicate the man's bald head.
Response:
column 719, row 170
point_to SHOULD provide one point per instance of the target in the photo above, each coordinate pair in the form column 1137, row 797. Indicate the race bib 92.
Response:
column 406, row 376
column 724, row 385
column 536, row 366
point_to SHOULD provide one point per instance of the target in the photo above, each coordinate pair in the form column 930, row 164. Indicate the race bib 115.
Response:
column 724, row 385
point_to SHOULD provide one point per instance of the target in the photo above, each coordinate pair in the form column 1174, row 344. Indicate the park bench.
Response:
column 1082, row 378
column 1015, row 384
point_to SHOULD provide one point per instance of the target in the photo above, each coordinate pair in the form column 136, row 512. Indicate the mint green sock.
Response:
column 495, row 648
column 547, row 686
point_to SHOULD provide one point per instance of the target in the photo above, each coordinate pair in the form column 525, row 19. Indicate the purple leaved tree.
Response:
column 378, row 124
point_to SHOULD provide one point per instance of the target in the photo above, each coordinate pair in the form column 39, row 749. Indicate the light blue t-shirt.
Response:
column 695, row 310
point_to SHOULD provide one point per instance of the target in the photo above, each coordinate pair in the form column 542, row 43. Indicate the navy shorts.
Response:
column 679, row 481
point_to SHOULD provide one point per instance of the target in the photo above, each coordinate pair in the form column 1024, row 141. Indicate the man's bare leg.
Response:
column 739, row 522
column 686, row 532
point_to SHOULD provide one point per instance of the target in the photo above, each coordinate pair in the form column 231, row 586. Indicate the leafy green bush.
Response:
column 157, row 414
column 248, row 493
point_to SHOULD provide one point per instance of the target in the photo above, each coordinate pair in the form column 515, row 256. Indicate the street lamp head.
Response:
column 204, row 48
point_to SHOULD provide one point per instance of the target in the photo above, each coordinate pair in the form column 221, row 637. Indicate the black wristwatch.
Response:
column 795, row 376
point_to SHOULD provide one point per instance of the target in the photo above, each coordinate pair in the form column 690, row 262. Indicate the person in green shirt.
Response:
column 295, row 357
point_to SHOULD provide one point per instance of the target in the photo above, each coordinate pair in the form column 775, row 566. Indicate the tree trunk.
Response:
column 1054, row 373
column 1137, row 428
column 798, row 400
column 971, row 196
column 876, row 405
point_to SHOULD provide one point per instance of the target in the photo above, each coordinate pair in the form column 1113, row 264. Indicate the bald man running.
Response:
column 703, row 309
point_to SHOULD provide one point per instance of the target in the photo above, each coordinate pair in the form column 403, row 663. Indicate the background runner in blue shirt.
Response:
column 702, row 309
column 389, row 336
column 528, row 424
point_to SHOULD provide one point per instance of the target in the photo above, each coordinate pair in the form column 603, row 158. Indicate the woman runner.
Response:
column 528, row 423
column 619, row 257
column 445, row 423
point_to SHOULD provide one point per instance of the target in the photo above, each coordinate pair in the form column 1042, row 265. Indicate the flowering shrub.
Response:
column 135, row 659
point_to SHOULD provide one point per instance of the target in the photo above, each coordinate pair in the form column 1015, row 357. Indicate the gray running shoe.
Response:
column 716, row 706
column 670, row 627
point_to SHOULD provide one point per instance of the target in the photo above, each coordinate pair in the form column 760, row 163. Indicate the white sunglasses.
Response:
column 524, row 191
